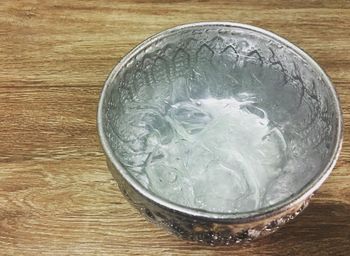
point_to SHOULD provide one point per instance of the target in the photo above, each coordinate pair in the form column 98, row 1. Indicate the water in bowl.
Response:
column 209, row 143
column 221, row 157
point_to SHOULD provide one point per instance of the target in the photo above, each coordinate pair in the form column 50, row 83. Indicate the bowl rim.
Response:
column 242, row 217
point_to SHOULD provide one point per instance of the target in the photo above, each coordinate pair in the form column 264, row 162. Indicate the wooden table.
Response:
column 56, row 195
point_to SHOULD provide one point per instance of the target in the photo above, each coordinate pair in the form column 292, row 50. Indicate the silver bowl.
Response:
column 152, row 99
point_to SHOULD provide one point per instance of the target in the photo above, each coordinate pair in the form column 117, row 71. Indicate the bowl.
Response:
column 219, row 132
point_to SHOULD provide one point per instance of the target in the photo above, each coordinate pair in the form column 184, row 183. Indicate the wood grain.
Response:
column 56, row 195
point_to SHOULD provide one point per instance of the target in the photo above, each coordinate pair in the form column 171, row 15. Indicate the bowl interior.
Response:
column 220, row 118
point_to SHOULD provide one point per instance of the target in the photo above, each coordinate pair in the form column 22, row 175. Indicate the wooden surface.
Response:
column 56, row 195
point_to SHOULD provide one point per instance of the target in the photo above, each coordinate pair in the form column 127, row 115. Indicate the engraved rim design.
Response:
column 243, row 217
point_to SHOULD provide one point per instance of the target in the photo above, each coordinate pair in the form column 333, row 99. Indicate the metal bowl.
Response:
column 225, row 60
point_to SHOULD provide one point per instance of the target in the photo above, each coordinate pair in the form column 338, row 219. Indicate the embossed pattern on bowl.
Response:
column 303, row 103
